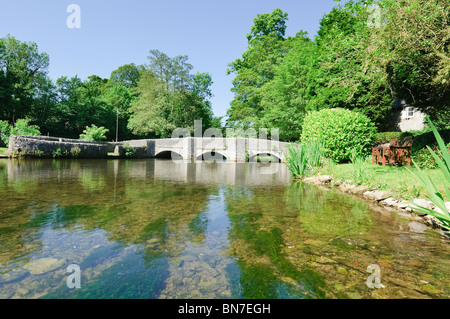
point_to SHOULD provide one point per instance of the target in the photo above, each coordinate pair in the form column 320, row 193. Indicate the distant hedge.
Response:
column 340, row 131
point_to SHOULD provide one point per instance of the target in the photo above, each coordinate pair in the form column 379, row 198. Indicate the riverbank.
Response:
column 4, row 152
column 385, row 199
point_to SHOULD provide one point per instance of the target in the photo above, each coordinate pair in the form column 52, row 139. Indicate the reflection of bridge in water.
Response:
column 204, row 172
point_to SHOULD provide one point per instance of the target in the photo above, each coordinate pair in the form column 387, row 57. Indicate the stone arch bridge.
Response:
column 234, row 149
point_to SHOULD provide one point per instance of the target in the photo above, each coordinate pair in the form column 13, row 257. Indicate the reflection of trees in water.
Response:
column 132, row 210
column 259, row 220
column 327, row 213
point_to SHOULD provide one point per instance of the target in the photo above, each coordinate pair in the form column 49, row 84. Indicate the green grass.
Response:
column 398, row 179
column 3, row 150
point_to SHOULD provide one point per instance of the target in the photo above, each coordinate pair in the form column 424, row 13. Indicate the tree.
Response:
column 413, row 45
column 22, row 68
column 285, row 99
column 346, row 73
column 127, row 75
column 118, row 99
column 169, row 97
column 266, row 49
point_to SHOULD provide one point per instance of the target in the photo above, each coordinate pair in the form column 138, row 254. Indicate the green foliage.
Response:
column 436, row 197
column 412, row 46
column 75, row 151
column 256, row 67
column 94, row 133
column 23, row 70
column 358, row 162
column 385, row 137
column 302, row 158
column 296, row 160
column 23, row 127
column 58, row 153
column 129, row 151
column 5, row 131
column 339, row 131
column 169, row 97
column 285, row 98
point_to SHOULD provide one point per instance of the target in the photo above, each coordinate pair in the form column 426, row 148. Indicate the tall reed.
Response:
column 435, row 196
column 303, row 157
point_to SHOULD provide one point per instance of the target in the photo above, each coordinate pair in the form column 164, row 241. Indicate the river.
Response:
column 154, row 228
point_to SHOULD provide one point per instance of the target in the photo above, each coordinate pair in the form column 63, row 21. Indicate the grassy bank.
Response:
column 398, row 179
column 3, row 150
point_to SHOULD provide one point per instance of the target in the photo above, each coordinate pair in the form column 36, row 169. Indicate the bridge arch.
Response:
column 212, row 156
column 256, row 157
column 169, row 154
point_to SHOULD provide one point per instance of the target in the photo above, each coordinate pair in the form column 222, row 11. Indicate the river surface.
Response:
column 155, row 228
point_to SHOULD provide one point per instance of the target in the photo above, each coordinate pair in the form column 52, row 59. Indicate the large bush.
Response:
column 21, row 127
column 340, row 132
column 94, row 133
column 5, row 131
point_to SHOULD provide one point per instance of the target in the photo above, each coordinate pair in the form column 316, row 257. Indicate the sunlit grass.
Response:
column 397, row 179
column 3, row 151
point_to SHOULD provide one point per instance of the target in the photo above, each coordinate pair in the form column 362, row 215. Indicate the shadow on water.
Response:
column 157, row 229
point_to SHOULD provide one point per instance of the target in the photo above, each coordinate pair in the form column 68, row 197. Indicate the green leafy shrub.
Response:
column 5, row 131
column 339, row 131
column 75, row 151
column 21, row 127
column 57, row 153
column 129, row 151
column 94, row 133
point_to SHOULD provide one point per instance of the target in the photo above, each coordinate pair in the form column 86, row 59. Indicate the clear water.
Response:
column 157, row 229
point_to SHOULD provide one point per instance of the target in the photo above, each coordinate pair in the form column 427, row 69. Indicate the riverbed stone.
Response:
column 13, row 275
column 417, row 227
column 44, row 265
column 342, row 270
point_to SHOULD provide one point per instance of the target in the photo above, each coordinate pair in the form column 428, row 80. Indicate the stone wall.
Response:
column 47, row 146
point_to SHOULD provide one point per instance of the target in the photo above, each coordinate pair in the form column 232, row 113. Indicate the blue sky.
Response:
column 113, row 33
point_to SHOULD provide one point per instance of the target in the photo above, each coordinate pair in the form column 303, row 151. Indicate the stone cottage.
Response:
column 406, row 118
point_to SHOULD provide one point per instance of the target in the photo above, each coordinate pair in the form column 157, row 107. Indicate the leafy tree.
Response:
column 285, row 99
column 346, row 73
column 413, row 44
column 119, row 99
column 5, row 131
column 169, row 97
column 22, row 67
column 21, row 127
column 266, row 48
column 127, row 75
